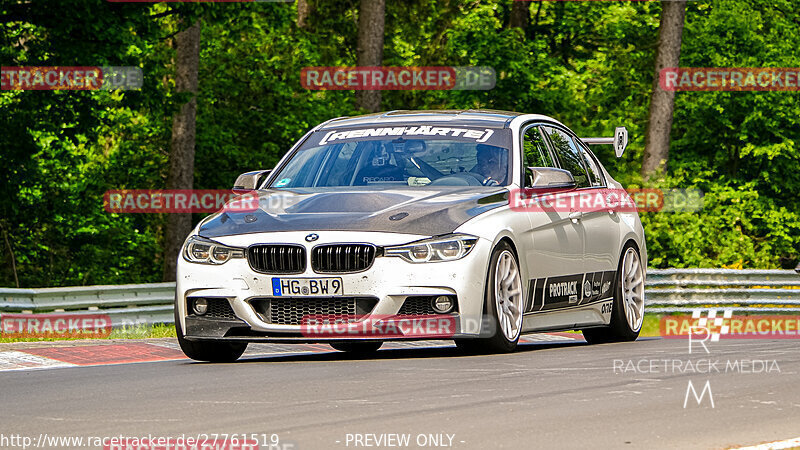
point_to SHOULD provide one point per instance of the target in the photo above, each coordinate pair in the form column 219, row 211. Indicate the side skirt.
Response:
column 583, row 316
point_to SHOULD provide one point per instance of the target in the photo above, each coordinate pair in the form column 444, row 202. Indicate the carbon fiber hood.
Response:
column 417, row 210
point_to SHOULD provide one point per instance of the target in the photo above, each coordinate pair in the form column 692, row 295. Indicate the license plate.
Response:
column 308, row 287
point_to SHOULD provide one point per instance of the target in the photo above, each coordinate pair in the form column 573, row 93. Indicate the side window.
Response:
column 595, row 174
column 536, row 154
column 568, row 156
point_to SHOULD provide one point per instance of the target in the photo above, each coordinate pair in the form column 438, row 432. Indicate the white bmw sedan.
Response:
column 476, row 226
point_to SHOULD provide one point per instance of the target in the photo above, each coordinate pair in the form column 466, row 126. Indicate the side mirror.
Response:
column 248, row 181
column 550, row 178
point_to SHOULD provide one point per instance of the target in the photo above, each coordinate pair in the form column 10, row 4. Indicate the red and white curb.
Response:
column 63, row 354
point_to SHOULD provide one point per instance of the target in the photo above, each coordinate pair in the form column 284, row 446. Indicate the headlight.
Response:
column 445, row 248
column 204, row 251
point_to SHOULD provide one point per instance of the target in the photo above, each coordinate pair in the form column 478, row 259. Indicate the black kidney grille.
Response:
column 275, row 258
column 342, row 258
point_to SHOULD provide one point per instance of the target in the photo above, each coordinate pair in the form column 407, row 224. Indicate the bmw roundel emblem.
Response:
column 312, row 237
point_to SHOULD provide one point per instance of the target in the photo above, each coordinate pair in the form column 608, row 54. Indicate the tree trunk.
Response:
column 520, row 14
column 369, row 53
column 662, row 103
column 181, row 155
column 303, row 11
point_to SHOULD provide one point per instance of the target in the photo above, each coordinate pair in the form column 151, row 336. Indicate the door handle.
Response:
column 575, row 216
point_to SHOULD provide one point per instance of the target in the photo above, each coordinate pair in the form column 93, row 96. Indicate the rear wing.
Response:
column 619, row 141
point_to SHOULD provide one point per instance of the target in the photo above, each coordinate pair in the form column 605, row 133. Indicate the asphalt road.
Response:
column 559, row 395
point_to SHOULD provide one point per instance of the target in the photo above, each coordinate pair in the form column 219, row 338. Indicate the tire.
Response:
column 503, row 293
column 357, row 347
column 208, row 351
column 627, row 311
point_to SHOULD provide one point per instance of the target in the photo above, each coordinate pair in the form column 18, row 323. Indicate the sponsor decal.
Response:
column 478, row 135
column 562, row 289
column 606, row 308
column 378, row 179
column 546, row 294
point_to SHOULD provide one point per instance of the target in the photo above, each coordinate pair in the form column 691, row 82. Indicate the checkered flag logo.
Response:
column 717, row 321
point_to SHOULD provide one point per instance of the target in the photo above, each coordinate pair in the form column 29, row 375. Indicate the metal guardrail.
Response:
column 127, row 304
column 668, row 290
column 682, row 290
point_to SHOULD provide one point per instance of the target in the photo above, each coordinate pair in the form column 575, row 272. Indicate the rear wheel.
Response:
column 627, row 311
column 503, row 296
column 357, row 347
column 208, row 351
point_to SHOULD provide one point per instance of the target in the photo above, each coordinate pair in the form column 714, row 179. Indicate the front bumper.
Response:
column 389, row 281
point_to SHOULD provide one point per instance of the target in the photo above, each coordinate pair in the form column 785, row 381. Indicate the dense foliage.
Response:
column 589, row 64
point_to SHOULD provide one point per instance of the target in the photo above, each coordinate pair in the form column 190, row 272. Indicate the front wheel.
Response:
column 208, row 351
column 503, row 298
column 627, row 311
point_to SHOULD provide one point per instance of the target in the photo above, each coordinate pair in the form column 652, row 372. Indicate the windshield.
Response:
column 399, row 156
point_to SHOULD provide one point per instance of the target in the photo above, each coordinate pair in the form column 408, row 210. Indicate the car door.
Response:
column 597, row 229
column 556, row 241
column 601, row 229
